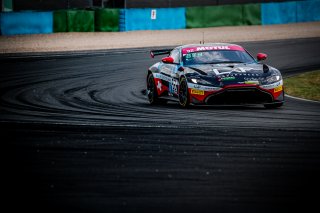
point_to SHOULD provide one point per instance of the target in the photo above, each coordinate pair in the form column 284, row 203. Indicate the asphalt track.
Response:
column 80, row 136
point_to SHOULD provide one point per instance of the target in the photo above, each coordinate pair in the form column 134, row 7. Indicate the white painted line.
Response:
column 302, row 99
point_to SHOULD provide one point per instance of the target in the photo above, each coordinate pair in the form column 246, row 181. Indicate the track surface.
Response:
column 82, row 137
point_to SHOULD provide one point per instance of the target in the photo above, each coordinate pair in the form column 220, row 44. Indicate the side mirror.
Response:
column 261, row 56
column 167, row 60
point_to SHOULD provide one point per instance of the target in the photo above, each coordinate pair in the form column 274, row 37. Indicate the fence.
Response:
column 105, row 20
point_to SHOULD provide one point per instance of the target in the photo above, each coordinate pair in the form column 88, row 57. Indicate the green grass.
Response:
column 305, row 85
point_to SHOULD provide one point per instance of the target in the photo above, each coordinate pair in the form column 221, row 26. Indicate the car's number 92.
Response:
column 173, row 86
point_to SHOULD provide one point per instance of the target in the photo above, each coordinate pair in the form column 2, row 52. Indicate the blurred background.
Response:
column 52, row 16
column 17, row 5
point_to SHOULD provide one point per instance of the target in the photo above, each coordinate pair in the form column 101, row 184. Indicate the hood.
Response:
column 225, row 74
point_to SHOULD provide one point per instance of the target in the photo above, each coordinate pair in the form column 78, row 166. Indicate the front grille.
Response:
column 243, row 95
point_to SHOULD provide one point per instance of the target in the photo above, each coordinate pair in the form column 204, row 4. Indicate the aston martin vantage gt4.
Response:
column 213, row 74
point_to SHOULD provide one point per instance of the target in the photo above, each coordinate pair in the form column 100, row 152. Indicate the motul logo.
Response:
column 213, row 48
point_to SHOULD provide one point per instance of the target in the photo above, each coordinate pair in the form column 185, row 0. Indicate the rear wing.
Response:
column 153, row 53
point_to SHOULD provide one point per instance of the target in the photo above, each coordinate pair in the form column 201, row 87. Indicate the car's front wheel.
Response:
column 152, row 92
column 184, row 99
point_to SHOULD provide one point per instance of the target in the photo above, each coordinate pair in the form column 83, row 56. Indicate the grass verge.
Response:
column 306, row 85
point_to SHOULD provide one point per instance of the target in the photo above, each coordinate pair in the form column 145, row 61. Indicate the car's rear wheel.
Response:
column 184, row 99
column 273, row 106
column 152, row 92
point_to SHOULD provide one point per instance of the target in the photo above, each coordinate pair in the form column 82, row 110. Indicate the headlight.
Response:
column 200, row 81
column 272, row 79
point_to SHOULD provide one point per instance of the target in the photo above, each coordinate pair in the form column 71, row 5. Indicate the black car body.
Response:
column 214, row 74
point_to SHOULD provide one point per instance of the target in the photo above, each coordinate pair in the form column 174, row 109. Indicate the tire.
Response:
column 273, row 106
column 184, row 99
column 152, row 92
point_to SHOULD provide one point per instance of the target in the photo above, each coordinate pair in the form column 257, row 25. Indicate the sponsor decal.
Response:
column 159, row 86
column 192, row 55
column 238, row 74
column 204, row 48
column 251, row 79
column 162, row 77
column 252, row 82
column 213, row 48
column 153, row 14
column 228, row 78
column 204, row 88
column 197, row 92
column 277, row 89
column 271, row 86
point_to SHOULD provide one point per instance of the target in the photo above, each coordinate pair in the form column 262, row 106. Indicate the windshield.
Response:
column 216, row 57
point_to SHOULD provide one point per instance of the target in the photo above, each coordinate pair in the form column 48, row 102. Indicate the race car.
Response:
column 213, row 74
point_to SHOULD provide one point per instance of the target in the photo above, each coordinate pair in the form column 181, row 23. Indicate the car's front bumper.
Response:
column 236, row 94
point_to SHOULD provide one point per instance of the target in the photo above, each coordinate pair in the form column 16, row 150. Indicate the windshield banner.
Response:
column 206, row 48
